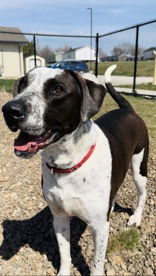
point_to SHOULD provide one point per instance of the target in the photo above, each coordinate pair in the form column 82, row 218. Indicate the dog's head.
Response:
column 47, row 104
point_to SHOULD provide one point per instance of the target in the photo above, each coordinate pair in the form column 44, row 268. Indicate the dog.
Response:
column 83, row 162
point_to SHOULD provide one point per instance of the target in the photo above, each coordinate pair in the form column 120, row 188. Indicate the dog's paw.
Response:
column 135, row 220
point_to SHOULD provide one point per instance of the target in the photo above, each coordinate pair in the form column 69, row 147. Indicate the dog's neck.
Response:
column 71, row 148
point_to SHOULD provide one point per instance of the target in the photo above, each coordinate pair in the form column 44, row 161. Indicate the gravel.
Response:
column 28, row 244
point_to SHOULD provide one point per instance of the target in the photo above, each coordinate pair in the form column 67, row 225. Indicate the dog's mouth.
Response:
column 26, row 145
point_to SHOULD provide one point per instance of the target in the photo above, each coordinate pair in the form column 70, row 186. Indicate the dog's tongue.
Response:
column 28, row 143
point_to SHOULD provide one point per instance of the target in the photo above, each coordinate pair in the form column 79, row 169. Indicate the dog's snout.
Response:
column 14, row 113
column 16, row 110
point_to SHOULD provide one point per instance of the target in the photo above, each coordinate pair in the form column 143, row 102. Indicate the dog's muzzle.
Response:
column 27, row 143
column 14, row 114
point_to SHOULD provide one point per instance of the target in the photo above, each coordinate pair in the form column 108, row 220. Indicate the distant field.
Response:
column 126, row 68
column 144, row 86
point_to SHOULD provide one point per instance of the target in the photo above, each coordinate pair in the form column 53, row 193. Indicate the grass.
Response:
column 6, row 85
column 124, row 240
column 144, row 86
column 144, row 107
column 126, row 68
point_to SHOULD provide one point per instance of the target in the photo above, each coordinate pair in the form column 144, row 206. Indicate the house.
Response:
column 51, row 59
column 85, row 53
column 30, row 62
column 125, row 57
column 59, row 56
column 11, row 52
column 148, row 53
column 110, row 58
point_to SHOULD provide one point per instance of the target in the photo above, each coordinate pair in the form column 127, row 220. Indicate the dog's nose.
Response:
column 14, row 113
column 16, row 110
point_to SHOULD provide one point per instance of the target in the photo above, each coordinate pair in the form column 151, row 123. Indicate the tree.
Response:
column 28, row 49
column 63, row 49
column 126, row 48
column 117, row 51
column 102, row 54
column 45, row 52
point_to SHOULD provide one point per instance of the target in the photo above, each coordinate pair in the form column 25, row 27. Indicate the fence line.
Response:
column 97, row 39
column 129, row 28
column 137, row 28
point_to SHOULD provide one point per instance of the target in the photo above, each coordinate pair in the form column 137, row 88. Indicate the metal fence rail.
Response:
column 137, row 29
column 97, row 40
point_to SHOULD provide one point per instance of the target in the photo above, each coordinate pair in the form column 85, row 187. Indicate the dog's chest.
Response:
column 83, row 192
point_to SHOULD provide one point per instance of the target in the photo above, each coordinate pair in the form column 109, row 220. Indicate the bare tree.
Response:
column 126, row 48
column 102, row 54
column 45, row 52
column 117, row 51
column 63, row 49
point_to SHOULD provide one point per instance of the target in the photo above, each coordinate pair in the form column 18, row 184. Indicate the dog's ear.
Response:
column 19, row 85
column 93, row 95
column 16, row 85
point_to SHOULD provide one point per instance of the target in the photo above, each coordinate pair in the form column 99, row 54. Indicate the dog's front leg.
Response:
column 100, row 232
column 62, row 231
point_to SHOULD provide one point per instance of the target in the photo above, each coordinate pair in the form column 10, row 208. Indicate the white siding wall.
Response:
column 148, row 54
column 69, row 56
column 85, row 54
column 30, row 63
column 11, row 60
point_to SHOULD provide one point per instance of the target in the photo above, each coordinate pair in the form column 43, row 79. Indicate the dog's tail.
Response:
column 121, row 101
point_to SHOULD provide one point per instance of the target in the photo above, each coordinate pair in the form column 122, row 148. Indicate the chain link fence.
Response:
column 132, row 49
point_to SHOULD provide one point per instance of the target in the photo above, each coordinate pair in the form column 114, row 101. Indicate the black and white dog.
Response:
column 83, row 162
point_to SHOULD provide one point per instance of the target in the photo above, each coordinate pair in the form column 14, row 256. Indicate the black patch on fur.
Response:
column 63, row 109
column 127, row 135
column 20, row 85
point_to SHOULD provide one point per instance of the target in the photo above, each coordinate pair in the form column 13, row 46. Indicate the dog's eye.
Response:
column 58, row 89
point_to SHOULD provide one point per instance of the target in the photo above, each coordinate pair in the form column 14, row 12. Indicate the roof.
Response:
column 14, row 38
column 74, row 49
column 150, row 49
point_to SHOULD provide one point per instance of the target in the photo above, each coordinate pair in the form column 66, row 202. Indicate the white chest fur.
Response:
column 86, row 191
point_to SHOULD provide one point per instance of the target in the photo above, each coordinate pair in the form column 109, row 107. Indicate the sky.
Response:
column 73, row 17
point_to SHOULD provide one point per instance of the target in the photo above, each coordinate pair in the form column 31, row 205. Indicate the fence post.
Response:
column 97, row 54
column 34, row 44
column 135, row 60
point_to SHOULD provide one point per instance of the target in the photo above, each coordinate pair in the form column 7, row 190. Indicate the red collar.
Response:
column 74, row 168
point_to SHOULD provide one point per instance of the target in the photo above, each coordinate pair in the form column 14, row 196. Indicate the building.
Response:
column 85, row 53
column 11, row 52
column 30, row 62
column 59, row 56
column 148, row 53
column 110, row 58
column 125, row 57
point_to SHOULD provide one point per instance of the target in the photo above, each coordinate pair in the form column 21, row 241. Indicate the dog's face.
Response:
column 47, row 104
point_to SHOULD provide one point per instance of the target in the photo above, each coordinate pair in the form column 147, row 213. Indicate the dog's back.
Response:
column 126, row 133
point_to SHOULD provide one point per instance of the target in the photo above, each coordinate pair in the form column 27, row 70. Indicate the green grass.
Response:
column 126, row 68
column 144, row 86
column 144, row 107
column 124, row 240
column 6, row 85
